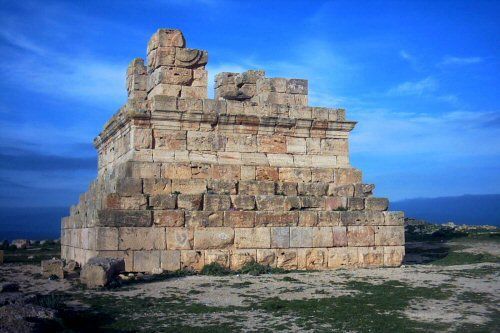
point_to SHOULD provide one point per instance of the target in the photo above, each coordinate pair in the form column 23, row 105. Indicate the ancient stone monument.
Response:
column 253, row 175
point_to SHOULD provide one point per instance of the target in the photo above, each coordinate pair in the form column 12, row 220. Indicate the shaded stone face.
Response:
column 253, row 175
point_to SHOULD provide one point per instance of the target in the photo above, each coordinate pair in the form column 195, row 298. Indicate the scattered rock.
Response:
column 98, row 272
column 9, row 287
column 71, row 266
column 22, row 318
column 53, row 267
column 157, row 271
column 20, row 243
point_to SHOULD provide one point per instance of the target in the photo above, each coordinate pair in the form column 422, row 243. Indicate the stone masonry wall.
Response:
column 252, row 175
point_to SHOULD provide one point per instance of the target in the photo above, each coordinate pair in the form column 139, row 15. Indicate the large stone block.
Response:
column 132, row 238
column 179, row 238
column 393, row 218
column 190, row 201
column 248, row 238
column 267, row 257
column 301, row 237
column 163, row 201
column 362, row 218
column 215, row 202
column 170, row 260
column 360, row 236
column 393, row 255
column 338, row 257
column 168, row 218
column 253, row 187
column 339, row 236
column 213, row 238
column 146, row 261
column 312, row 259
column 189, row 186
column 52, row 267
column 106, row 239
column 241, row 257
column 280, row 237
column 287, row 259
column 239, row 219
column 99, row 272
column 204, row 219
column 322, row 237
column 389, row 235
column 192, row 260
column 124, row 218
column 371, row 256
column 243, row 202
column 276, row 219
column 153, row 186
column 377, row 204
column 220, row 257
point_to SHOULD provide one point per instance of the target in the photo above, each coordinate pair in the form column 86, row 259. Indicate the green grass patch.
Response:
column 254, row 268
column 33, row 255
column 372, row 308
column 465, row 258
column 215, row 269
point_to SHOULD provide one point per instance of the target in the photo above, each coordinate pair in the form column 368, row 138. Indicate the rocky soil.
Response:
column 444, row 286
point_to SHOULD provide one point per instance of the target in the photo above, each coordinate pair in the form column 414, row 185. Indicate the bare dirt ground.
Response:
column 443, row 287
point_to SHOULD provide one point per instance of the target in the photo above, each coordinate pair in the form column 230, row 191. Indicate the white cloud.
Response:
column 461, row 60
column 429, row 84
column 457, row 133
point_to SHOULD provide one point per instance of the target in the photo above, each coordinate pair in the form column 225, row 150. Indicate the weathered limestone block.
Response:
column 377, row 204
column 287, row 259
column 190, row 201
column 308, row 219
column 169, row 218
column 192, row 260
column 217, row 256
column 241, row 257
column 157, row 186
column 339, row 236
column 267, row 257
column 338, row 257
column 280, row 237
column 313, row 259
column 239, row 219
column 249, row 187
column 322, row 237
column 257, row 238
column 213, row 238
column 301, row 237
column 389, row 235
column 371, row 256
column 274, row 219
column 53, row 267
column 393, row 255
column 170, row 260
column 179, row 238
column 196, row 219
column 124, row 218
column 394, row 218
column 360, row 236
column 163, row 201
column 243, row 202
column 146, row 261
column 214, row 202
column 133, row 238
column 98, row 272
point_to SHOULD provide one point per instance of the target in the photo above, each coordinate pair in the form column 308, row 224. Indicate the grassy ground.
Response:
column 32, row 255
column 445, row 289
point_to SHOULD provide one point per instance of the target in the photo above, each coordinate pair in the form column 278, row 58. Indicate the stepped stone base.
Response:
column 253, row 175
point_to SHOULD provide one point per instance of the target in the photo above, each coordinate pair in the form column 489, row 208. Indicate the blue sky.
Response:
column 420, row 77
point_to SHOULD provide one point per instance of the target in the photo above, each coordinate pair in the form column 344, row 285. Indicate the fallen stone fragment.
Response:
column 53, row 267
column 71, row 266
column 99, row 272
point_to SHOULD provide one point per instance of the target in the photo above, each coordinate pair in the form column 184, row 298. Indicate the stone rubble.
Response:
column 53, row 267
column 253, row 175
column 99, row 272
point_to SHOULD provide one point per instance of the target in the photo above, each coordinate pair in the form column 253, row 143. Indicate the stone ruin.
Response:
column 253, row 175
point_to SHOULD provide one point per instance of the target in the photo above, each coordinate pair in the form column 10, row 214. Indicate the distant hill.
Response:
column 465, row 209
column 44, row 222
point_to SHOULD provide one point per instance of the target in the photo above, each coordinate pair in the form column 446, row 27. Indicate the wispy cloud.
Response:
column 449, row 60
column 429, row 84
